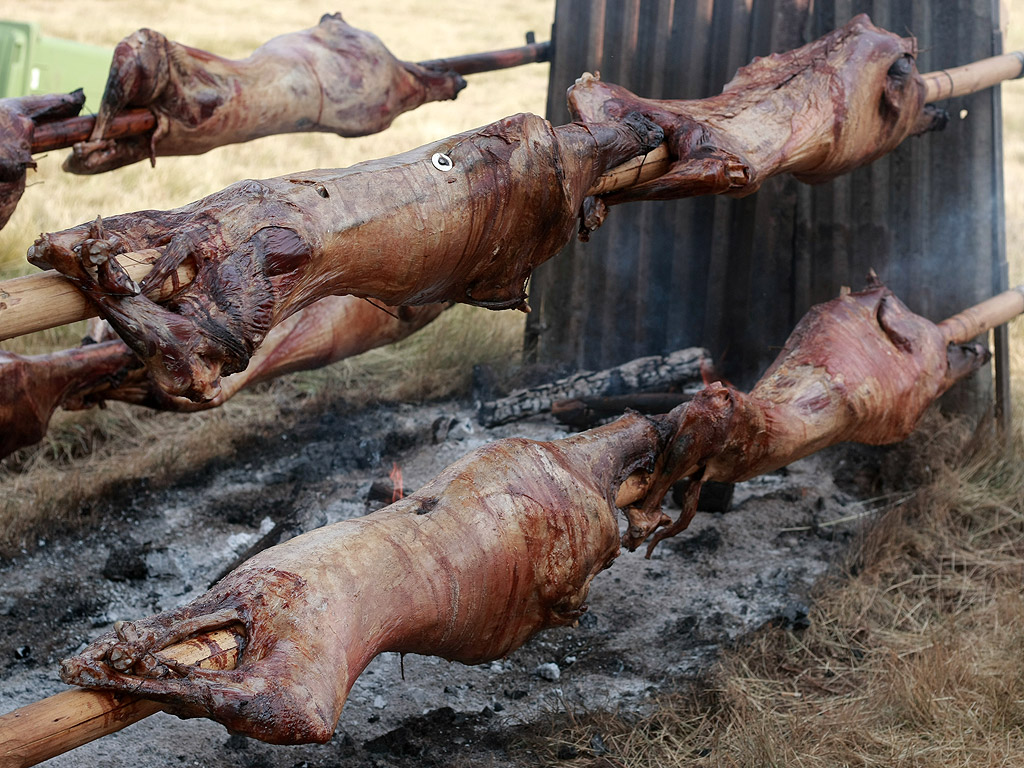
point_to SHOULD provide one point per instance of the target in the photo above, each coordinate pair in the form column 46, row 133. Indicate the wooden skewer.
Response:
column 973, row 77
column 35, row 303
column 981, row 318
column 48, row 299
column 61, row 134
column 77, row 716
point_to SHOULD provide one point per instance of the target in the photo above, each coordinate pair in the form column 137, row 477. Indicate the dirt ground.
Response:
column 652, row 624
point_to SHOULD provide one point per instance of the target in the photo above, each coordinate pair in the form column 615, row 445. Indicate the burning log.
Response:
column 336, row 327
column 331, row 77
column 430, row 225
column 816, row 112
column 681, row 368
column 506, row 541
column 20, row 118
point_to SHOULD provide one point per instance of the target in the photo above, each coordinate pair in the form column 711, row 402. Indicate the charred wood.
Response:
column 679, row 369
column 585, row 412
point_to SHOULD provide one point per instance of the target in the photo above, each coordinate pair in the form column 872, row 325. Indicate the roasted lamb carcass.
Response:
column 818, row 111
column 859, row 368
column 18, row 120
column 33, row 387
column 332, row 78
column 465, row 219
column 506, row 541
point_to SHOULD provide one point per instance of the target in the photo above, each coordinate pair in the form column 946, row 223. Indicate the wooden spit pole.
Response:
column 48, row 299
column 36, row 302
column 60, row 723
column 61, row 134
column 77, row 716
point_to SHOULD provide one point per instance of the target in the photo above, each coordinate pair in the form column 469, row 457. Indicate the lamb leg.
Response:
column 32, row 388
column 859, row 368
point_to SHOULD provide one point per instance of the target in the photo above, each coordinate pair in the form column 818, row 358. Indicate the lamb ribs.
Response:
column 331, row 77
column 506, row 541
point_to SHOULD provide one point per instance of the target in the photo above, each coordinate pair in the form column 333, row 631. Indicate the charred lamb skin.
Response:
column 33, row 387
column 18, row 119
column 506, row 541
column 331, row 78
column 400, row 230
column 816, row 112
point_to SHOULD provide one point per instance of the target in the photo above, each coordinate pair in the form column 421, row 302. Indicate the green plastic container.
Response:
column 31, row 62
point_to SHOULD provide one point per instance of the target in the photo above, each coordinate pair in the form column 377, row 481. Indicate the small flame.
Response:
column 709, row 375
column 396, row 482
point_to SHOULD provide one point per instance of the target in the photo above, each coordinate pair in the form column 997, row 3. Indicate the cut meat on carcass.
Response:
column 506, row 541
column 18, row 119
column 331, row 78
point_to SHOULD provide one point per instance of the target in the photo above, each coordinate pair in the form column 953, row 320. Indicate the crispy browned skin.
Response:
column 399, row 230
column 336, row 327
column 506, row 541
column 18, row 119
column 816, row 112
column 331, row 78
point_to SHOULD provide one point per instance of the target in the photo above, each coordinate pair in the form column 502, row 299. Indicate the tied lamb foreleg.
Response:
column 331, row 78
column 33, row 387
column 506, row 541
column 465, row 219
column 18, row 120
column 816, row 112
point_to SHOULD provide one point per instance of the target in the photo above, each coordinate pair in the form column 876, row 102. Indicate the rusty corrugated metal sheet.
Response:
column 735, row 275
